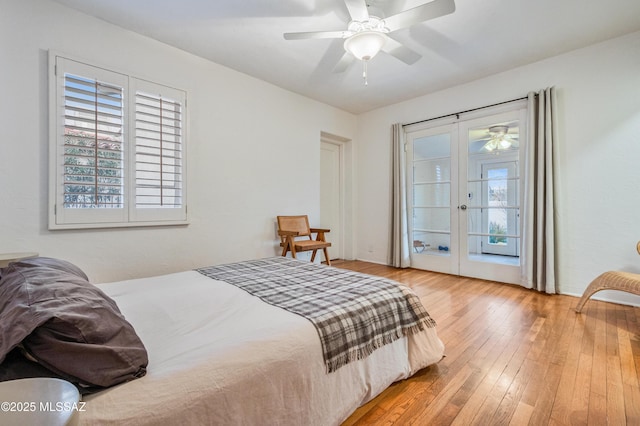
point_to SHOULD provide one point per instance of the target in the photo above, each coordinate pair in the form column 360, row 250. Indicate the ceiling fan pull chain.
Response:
column 364, row 72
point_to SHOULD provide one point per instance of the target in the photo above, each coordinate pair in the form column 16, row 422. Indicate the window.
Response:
column 118, row 147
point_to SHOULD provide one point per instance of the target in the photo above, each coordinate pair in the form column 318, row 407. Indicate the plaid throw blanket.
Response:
column 354, row 313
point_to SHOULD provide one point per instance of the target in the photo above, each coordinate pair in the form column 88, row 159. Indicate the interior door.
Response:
column 331, row 196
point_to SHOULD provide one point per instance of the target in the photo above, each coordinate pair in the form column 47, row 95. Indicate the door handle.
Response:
column 463, row 207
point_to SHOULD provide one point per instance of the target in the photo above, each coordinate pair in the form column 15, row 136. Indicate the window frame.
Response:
column 130, row 215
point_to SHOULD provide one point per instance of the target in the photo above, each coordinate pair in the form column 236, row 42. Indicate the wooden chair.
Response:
column 612, row 280
column 292, row 227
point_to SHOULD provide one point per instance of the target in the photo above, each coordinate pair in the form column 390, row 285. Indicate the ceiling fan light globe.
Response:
column 505, row 144
column 365, row 45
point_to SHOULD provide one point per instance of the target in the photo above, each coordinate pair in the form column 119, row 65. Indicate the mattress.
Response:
column 218, row 355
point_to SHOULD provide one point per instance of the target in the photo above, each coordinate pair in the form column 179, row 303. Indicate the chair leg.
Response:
column 313, row 256
column 326, row 256
column 611, row 280
column 588, row 292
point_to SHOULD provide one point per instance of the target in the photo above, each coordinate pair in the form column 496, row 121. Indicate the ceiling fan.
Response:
column 366, row 35
column 499, row 138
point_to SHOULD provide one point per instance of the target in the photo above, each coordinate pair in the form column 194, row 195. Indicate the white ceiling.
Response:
column 480, row 38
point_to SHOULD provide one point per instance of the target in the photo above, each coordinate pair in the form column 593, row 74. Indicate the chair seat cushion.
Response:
column 303, row 245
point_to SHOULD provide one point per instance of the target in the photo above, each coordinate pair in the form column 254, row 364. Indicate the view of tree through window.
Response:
column 93, row 144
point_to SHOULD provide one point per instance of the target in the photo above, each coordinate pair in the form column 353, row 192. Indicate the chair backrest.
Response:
column 298, row 224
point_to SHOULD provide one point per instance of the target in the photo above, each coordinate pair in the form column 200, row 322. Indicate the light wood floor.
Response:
column 513, row 356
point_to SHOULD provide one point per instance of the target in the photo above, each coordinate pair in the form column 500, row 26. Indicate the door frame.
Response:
column 347, row 170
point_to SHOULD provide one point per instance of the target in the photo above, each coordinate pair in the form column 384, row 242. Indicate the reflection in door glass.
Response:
column 498, row 201
column 432, row 195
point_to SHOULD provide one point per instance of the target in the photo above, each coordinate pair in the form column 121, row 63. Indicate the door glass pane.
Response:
column 497, row 196
column 432, row 194
column 493, row 215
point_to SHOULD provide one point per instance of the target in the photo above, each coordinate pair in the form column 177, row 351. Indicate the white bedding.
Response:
column 219, row 356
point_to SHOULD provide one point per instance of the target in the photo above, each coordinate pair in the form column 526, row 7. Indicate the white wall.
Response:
column 243, row 131
column 599, row 183
column 254, row 149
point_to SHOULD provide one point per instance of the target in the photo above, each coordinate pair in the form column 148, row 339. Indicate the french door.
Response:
column 464, row 194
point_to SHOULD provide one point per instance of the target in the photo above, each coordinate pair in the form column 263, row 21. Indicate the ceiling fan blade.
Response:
column 344, row 63
column 488, row 138
column 357, row 10
column 433, row 9
column 316, row 34
column 400, row 51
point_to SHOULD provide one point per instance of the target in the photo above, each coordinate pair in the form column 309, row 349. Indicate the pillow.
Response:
column 67, row 325
column 50, row 262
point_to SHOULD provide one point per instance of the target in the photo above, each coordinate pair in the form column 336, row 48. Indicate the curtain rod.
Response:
column 457, row 114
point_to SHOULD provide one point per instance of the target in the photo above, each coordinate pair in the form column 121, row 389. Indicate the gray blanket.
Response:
column 354, row 313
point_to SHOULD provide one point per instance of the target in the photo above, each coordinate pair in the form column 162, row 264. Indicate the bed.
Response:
column 218, row 354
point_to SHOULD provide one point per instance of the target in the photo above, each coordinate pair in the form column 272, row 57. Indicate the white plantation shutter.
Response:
column 88, row 152
column 159, row 152
column 118, row 153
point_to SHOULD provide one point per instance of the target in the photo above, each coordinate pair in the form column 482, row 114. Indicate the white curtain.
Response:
column 399, row 255
column 538, row 225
